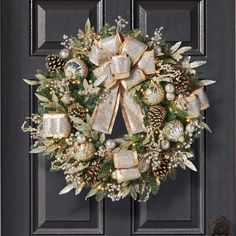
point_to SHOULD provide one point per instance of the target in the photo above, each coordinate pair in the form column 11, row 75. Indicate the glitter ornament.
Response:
column 75, row 68
column 154, row 94
column 85, row 151
column 173, row 130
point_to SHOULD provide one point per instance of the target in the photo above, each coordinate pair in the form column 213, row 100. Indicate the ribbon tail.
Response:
column 132, row 113
column 104, row 115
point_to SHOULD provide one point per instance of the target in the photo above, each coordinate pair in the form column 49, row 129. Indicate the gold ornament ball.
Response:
column 75, row 68
column 85, row 151
column 154, row 94
column 173, row 130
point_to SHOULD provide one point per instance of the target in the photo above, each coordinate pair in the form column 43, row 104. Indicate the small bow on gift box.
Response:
column 123, row 63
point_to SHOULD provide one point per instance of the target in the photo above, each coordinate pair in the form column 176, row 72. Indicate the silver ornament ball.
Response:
column 110, row 144
column 75, row 68
column 81, row 138
column 165, row 144
column 170, row 96
column 64, row 53
column 169, row 88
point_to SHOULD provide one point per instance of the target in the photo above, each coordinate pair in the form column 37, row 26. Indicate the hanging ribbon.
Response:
column 123, row 63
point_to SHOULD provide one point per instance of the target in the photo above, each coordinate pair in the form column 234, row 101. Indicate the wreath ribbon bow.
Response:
column 122, row 64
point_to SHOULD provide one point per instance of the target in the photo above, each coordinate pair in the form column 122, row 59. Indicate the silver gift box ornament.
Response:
column 56, row 125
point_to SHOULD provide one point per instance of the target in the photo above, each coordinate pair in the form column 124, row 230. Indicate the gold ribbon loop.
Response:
column 120, row 66
column 98, row 56
column 112, row 44
column 133, row 48
column 147, row 62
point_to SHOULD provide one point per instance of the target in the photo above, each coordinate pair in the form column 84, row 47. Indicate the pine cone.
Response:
column 91, row 175
column 181, row 82
column 77, row 110
column 156, row 116
column 55, row 62
column 164, row 168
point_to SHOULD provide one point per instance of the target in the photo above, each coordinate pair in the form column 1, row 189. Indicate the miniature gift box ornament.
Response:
column 56, row 125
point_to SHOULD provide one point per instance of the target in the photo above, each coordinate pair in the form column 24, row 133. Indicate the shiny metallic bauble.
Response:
column 170, row 88
column 110, row 144
column 173, row 130
column 75, row 68
column 64, row 53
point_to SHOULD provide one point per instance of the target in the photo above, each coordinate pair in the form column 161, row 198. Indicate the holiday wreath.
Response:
column 161, row 99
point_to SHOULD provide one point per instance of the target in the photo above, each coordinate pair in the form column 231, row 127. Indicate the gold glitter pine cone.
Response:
column 164, row 168
column 181, row 83
column 77, row 110
column 156, row 116
column 91, row 175
column 54, row 62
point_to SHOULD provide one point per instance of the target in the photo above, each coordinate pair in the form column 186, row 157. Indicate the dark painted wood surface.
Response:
column 30, row 200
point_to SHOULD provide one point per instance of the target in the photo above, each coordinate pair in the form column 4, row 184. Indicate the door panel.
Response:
column 30, row 200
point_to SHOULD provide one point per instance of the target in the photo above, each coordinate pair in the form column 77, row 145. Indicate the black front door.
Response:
column 30, row 200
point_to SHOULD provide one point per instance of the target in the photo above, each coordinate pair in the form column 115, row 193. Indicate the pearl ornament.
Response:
column 64, row 53
column 169, row 88
column 181, row 139
column 165, row 144
column 170, row 96
column 190, row 128
column 110, row 144
column 66, row 99
column 81, row 138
